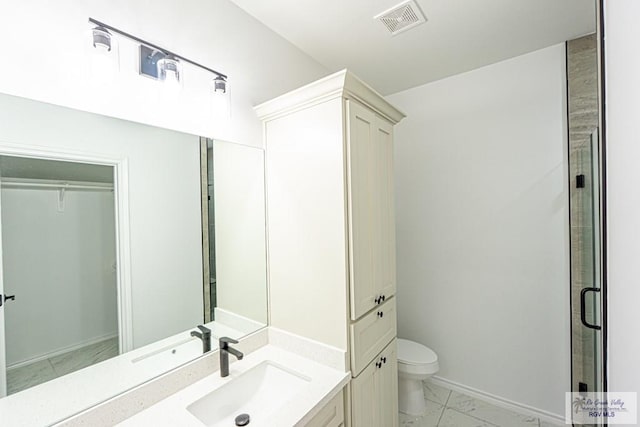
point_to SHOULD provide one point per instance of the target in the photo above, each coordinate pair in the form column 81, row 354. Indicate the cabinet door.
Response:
column 387, row 382
column 385, row 227
column 370, row 204
column 364, row 398
column 375, row 392
column 332, row 415
column 364, row 273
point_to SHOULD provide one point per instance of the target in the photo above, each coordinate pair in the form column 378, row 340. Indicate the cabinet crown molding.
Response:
column 343, row 84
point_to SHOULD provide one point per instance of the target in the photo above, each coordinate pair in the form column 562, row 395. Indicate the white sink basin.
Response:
column 259, row 392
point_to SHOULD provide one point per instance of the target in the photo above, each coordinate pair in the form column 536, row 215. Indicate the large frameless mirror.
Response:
column 117, row 240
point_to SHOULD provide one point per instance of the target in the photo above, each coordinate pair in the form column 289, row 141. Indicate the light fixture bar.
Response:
column 156, row 47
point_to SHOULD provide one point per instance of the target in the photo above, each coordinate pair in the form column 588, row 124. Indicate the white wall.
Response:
column 241, row 259
column 60, row 267
column 482, row 227
column 47, row 42
column 48, row 47
column 164, row 203
column 622, row 64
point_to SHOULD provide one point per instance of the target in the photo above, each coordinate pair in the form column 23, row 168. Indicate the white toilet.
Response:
column 415, row 364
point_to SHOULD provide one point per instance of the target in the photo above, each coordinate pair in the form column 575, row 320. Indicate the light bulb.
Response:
column 220, row 85
column 220, row 99
column 101, row 39
column 170, row 73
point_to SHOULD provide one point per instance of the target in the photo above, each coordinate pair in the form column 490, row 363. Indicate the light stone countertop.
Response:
column 325, row 383
column 97, row 397
column 55, row 400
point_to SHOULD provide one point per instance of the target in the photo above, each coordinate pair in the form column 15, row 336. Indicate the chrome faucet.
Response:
column 205, row 336
column 224, row 354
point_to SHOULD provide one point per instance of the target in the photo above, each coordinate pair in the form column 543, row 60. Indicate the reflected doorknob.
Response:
column 4, row 298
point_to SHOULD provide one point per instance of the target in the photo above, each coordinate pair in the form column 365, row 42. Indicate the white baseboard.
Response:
column 60, row 351
column 501, row 402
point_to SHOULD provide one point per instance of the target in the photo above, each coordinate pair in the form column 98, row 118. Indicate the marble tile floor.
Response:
column 21, row 378
column 448, row 408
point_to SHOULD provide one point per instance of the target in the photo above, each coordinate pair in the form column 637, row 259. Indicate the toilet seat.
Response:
column 413, row 353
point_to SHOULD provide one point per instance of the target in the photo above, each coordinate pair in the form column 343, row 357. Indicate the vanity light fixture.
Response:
column 104, row 54
column 155, row 62
column 220, row 85
column 169, row 70
column 101, row 39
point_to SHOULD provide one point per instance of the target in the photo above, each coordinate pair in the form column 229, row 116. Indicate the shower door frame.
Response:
column 122, row 226
column 602, row 145
column 599, row 155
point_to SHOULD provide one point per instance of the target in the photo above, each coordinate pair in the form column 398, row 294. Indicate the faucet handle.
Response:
column 205, row 330
column 225, row 341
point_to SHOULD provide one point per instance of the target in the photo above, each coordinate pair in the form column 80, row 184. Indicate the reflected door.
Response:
column 58, row 265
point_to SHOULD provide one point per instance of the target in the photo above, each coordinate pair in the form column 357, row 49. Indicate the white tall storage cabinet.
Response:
column 331, row 231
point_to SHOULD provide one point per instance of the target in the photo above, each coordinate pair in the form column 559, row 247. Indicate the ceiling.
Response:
column 459, row 35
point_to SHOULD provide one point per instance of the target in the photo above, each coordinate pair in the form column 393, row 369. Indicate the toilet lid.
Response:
column 413, row 353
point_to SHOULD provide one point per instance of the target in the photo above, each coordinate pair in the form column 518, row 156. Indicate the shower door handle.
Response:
column 583, row 314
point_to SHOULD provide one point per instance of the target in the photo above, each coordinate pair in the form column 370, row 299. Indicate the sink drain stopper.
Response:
column 243, row 419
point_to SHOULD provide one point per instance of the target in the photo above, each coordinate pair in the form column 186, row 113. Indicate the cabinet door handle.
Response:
column 383, row 298
column 378, row 365
column 380, row 313
column 384, row 360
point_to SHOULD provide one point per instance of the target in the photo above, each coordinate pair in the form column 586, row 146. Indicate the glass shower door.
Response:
column 586, row 268
column 586, row 225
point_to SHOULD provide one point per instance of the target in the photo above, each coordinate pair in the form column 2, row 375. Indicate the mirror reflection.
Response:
column 59, row 268
column 236, row 235
column 119, row 239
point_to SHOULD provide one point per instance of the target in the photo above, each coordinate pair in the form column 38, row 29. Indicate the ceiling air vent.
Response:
column 401, row 17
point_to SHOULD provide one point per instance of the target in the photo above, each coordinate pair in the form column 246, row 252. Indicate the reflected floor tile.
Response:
column 488, row 412
column 85, row 356
column 436, row 393
column 429, row 419
column 452, row 418
column 19, row 379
